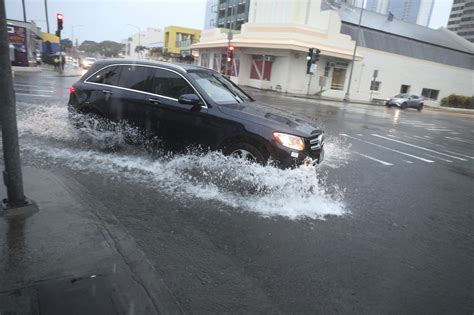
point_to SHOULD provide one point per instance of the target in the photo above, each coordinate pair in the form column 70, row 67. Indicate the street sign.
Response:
column 313, row 68
column 230, row 35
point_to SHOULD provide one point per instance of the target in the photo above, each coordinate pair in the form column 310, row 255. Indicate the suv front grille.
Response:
column 317, row 142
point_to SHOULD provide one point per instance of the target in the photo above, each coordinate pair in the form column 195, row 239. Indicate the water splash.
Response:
column 266, row 190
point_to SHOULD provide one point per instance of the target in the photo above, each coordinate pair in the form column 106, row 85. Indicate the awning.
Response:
column 155, row 45
column 50, row 38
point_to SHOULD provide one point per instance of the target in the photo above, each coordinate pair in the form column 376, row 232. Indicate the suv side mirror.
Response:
column 189, row 99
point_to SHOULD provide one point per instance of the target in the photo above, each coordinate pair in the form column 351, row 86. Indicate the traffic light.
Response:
column 309, row 59
column 317, row 55
column 310, row 54
column 230, row 53
column 60, row 19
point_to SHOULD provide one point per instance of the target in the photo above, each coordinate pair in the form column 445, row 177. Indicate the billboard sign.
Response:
column 17, row 37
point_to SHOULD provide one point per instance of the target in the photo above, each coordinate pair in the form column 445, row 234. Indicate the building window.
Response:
column 404, row 89
column 338, row 79
column 375, row 85
column 261, row 68
column 214, row 8
column 430, row 94
column 205, row 60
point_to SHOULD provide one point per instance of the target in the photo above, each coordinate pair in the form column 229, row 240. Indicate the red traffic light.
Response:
column 231, row 47
column 59, row 16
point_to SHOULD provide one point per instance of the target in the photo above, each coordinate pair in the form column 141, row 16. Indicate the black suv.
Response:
column 187, row 105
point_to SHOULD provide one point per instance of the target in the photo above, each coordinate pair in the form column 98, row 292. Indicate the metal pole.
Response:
column 46, row 13
column 12, row 175
column 309, row 83
column 24, row 10
column 347, row 96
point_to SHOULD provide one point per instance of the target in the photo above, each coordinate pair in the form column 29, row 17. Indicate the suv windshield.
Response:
column 220, row 89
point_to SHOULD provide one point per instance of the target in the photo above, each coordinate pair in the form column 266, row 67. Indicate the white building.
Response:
column 149, row 38
column 270, row 53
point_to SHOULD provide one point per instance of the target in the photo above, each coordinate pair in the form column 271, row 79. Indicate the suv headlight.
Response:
column 289, row 141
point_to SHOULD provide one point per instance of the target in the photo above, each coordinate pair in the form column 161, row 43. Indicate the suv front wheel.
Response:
column 247, row 152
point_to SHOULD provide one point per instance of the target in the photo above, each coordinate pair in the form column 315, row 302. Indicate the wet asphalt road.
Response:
column 384, row 227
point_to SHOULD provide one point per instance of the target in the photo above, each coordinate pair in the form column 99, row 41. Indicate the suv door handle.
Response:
column 107, row 91
column 154, row 101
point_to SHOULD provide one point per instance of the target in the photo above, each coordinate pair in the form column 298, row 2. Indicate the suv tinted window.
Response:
column 169, row 84
column 107, row 76
column 134, row 77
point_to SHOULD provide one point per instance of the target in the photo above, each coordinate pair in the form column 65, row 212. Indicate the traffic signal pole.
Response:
column 12, row 174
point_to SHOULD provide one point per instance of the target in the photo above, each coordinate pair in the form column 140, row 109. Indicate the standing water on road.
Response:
column 50, row 139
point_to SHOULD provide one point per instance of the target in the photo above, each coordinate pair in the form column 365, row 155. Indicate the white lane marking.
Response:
column 35, row 90
column 418, row 147
column 458, row 139
column 438, row 129
column 389, row 149
column 438, row 158
column 428, row 137
column 374, row 159
column 26, row 94
column 466, row 156
column 454, row 133
column 406, row 161
column 359, row 134
column 444, row 148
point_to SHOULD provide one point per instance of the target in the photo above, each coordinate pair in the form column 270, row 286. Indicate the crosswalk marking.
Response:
column 418, row 147
column 389, row 149
column 35, row 90
column 27, row 94
column 374, row 159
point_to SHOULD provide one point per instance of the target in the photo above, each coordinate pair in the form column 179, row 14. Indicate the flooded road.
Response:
column 383, row 225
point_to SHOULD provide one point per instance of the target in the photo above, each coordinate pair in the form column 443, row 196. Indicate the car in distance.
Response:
column 187, row 105
column 87, row 62
column 405, row 101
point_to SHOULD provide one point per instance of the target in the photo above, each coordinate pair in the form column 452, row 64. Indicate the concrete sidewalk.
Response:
column 73, row 256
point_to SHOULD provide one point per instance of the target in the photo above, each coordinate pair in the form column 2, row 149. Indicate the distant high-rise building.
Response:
column 229, row 14
column 210, row 19
column 461, row 19
column 414, row 11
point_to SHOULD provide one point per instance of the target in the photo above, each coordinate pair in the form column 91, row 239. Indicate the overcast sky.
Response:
column 108, row 19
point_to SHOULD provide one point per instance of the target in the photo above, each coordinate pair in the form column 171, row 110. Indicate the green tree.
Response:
column 89, row 46
column 109, row 48
column 140, row 49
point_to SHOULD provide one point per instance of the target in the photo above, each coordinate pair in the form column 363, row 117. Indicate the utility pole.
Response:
column 347, row 97
column 12, row 174
column 46, row 13
column 24, row 10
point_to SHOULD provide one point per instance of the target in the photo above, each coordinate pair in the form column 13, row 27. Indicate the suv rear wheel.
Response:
column 420, row 107
column 247, row 152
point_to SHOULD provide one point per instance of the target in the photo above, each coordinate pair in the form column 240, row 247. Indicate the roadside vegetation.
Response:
column 458, row 101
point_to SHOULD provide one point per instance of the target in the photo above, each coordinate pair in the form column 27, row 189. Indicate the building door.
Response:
column 338, row 79
column 405, row 89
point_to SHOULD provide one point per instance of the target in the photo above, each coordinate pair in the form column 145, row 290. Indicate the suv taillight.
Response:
column 72, row 90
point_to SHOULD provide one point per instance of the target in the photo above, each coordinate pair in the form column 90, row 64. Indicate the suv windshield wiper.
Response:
column 234, row 95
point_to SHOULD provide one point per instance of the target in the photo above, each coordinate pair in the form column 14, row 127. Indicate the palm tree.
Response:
column 140, row 49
